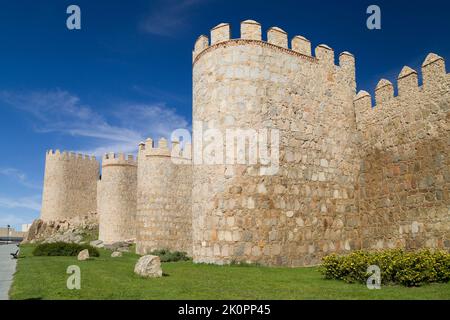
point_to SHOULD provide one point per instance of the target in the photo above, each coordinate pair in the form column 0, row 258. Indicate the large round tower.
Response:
column 70, row 186
column 116, row 200
column 286, row 196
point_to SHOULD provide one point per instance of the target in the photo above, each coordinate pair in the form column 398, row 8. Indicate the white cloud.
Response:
column 58, row 111
column 169, row 17
column 11, row 172
column 18, row 176
column 156, row 119
column 13, row 220
column 32, row 203
column 159, row 94
column 62, row 112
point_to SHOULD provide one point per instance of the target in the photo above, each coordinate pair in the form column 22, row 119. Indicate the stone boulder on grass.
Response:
column 149, row 267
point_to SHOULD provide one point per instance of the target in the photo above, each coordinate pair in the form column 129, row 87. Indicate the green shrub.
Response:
column 442, row 266
column 170, row 256
column 350, row 268
column 89, row 235
column 396, row 266
column 63, row 249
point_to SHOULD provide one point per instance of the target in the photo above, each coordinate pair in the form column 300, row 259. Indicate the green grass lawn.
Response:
column 113, row 278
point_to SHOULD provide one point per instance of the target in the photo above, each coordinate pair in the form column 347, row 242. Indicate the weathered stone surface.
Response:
column 116, row 254
column 123, row 246
column 83, row 255
column 97, row 243
column 148, row 266
column 68, row 237
column 67, row 230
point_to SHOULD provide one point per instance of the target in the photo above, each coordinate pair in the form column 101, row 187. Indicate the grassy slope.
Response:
column 113, row 278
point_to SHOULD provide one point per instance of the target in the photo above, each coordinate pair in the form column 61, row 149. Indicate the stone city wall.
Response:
column 404, row 182
column 346, row 176
column 5, row 233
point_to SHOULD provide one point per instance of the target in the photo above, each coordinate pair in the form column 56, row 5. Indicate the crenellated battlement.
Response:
column 277, row 39
column 433, row 75
column 396, row 118
column 68, row 155
column 118, row 159
column 149, row 149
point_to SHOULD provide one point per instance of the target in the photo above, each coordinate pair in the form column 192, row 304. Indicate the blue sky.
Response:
column 126, row 74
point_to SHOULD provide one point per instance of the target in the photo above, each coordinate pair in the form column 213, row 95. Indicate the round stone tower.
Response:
column 273, row 149
column 70, row 186
column 164, row 216
column 116, row 203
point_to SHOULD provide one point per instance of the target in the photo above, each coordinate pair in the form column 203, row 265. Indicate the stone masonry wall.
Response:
column 307, row 209
column 164, row 210
column 116, row 200
column 4, row 233
column 70, row 186
column 349, row 176
column 404, row 182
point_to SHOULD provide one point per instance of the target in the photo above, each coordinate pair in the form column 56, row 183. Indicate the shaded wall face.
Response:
column 307, row 208
column 405, row 171
column 70, row 187
column 164, row 216
column 117, row 191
